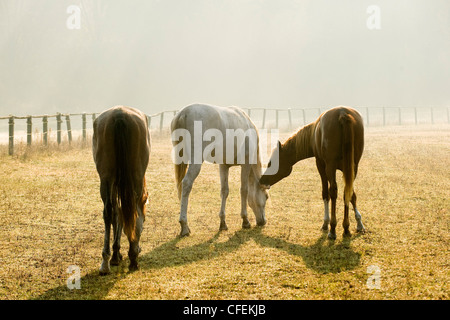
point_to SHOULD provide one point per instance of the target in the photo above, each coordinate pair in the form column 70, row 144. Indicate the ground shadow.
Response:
column 93, row 287
column 323, row 256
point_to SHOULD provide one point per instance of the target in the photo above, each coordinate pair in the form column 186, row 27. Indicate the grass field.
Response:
column 51, row 218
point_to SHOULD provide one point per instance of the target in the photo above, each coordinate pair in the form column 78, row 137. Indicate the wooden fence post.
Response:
column 367, row 116
column 58, row 128
column 290, row 119
column 264, row 118
column 277, row 120
column 448, row 115
column 69, row 129
column 45, row 129
column 11, row 136
column 29, row 130
column 83, row 120
column 161, row 121
column 432, row 115
column 149, row 119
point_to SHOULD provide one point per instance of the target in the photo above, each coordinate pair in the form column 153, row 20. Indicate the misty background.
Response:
column 163, row 55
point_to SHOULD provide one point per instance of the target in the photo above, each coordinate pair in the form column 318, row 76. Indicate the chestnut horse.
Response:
column 336, row 140
column 121, row 150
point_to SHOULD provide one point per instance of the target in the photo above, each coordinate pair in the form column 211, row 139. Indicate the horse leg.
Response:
column 188, row 181
column 245, row 171
column 359, row 224
column 135, row 249
column 331, row 175
column 346, row 221
column 224, row 191
column 117, row 233
column 107, row 216
column 325, row 196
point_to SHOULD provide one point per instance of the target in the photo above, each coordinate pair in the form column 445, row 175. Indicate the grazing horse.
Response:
column 336, row 140
column 235, row 143
column 121, row 149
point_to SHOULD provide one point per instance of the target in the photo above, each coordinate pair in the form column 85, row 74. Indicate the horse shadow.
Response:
column 323, row 256
column 338, row 257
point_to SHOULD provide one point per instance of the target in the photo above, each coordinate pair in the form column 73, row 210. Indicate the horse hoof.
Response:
column 185, row 231
column 115, row 260
column 325, row 227
column 261, row 223
column 347, row 234
column 362, row 230
column 331, row 236
column 223, row 226
column 133, row 266
column 246, row 224
column 104, row 269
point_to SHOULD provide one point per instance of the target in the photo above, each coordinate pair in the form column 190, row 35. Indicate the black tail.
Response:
column 123, row 195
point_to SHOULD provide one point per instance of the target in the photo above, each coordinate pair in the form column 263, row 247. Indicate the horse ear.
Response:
column 279, row 145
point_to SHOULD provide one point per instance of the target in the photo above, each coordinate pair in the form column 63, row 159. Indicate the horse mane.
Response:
column 298, row 146
column 255, row 174
column 256, row 171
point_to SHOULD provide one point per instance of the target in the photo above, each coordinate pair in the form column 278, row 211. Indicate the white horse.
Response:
column 235, row 142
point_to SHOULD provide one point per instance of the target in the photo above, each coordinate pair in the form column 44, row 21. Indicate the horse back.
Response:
column 219, row 119
column 212, row 117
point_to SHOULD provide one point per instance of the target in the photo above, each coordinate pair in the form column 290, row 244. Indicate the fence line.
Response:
column 367, row 113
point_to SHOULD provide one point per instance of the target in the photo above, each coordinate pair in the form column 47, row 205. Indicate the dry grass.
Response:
column 51, row 217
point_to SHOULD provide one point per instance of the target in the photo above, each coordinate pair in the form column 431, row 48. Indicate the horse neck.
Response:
column 256, row 171
column 300, row 145
column 253, row 181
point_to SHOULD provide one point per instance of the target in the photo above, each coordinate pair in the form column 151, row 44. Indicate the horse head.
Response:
column 278, row 168
column 257, row 198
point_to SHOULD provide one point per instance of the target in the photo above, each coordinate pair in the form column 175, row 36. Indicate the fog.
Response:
column 163, row 55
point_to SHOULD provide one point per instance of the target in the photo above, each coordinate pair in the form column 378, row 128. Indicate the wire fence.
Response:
column 264, row 118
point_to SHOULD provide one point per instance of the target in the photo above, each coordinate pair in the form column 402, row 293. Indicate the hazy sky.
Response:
column 163, row 55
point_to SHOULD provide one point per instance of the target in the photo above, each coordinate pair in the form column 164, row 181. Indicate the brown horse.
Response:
column 336, row 140
column 121, row 149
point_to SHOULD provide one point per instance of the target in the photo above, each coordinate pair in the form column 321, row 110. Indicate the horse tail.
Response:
column 123, row 190
column 179, row 122
column 180, row 172
column 348, row 163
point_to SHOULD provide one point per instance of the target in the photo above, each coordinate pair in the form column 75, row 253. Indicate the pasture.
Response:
column 51, row 218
